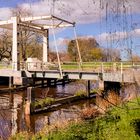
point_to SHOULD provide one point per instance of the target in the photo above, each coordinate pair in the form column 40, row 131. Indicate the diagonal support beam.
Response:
column 30, row 27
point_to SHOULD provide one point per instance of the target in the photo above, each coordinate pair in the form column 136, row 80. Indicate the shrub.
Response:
column 80, row 93
column 89, row 113
column 43, row 102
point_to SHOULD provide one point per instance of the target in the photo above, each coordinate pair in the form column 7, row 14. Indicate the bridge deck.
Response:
column 84, row 75
column 121, row 72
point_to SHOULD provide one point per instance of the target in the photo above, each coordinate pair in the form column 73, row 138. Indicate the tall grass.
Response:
column 104, row 102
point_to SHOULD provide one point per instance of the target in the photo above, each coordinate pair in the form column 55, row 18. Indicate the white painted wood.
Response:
column 30, row 25
column 35, row 18
column 6, row 22
column 45, row 48
column 25, row 22
column 14, row 46
column 59, row 26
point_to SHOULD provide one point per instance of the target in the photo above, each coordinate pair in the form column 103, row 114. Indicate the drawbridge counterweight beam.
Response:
column 38, row 24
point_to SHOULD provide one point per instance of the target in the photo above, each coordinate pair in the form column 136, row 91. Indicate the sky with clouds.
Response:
column 114, row 23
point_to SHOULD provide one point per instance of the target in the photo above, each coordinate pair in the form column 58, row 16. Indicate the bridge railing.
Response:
column 40, row 66
column 102, row 66
column 99, row 67
column 5, row 65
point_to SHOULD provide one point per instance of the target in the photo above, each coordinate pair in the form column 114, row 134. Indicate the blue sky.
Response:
column 10, row 3
column 113, row 23
column 14, row 3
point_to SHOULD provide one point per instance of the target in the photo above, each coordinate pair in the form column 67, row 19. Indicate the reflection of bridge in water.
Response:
column 13, row 120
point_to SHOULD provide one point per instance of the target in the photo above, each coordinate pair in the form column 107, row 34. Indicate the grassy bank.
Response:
column 121, row 122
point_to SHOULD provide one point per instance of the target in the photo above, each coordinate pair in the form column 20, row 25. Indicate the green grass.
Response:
column 122, row 122
column 5, row 67
column 42, row 102
column 80, row 93
column 119, row 123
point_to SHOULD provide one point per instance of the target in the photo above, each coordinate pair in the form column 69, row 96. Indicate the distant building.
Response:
column 33, row 63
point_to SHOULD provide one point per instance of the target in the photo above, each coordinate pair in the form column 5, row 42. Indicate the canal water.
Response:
column 13, row 119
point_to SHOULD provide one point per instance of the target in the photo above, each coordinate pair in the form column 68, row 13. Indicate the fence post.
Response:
column 102, row 67
column 114, row 67
column 10, row 82
column 121, row 68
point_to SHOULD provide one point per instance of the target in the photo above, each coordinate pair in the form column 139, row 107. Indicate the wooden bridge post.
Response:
column 42, row 82
column 10, row 82
column 45, row 46
column 48, row 82
column 88, row 88
column 55, row 82
column 29, row 100
column 63, row 82
column 15, row 44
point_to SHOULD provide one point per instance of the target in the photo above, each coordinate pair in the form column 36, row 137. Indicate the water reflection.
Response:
column 13, row 119
column 10, row 114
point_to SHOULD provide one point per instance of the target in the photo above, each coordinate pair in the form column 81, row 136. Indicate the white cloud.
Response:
column 80, row 11
column 75, row 10
column 5, row 13
column 84, row 11
column 135, row 33
column 112, row 36
column 118, row 35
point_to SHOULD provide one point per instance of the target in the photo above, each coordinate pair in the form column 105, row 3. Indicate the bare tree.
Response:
column 111, row 54
column 5, row 46
column 27, row 39
column 20, row 11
